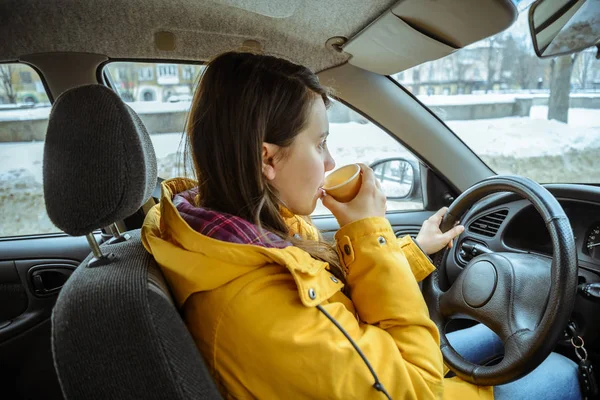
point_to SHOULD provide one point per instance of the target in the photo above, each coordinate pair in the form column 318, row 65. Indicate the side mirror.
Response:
column 560, row 27
column 399, row 178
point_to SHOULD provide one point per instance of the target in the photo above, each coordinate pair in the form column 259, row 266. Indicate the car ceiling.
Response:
column 126, row 28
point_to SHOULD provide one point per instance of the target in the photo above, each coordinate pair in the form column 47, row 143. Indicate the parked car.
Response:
column 175, row 98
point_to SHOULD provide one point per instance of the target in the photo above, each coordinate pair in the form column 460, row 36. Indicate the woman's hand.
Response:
column 369, row 202
column 431, row 239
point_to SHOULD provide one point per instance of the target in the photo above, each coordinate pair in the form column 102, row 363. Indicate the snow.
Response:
column 534, row 136
column 349, row 142
column 578, row 117
column 141, row 107
column 588, row 95
column 25, row 114
column 353, row 142
column 155, row 107
column 469, row 99
column 17, row 156
column 167, row 143
column 472, row 99
column 395, row 189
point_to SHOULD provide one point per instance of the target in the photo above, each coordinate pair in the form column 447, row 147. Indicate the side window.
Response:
column 161, row 94
column 24, row 111
column 353, row 138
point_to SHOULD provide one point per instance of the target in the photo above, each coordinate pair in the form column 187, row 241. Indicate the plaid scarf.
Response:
column 223, row 226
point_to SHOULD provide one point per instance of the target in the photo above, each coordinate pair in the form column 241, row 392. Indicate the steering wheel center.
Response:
column 479, row 283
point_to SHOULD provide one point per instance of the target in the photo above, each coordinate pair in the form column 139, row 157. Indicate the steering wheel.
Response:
column 524, row 298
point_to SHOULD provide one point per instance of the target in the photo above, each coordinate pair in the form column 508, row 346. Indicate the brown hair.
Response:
column 243, row 100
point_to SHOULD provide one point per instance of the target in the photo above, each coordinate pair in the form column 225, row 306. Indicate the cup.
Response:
column 344, row 183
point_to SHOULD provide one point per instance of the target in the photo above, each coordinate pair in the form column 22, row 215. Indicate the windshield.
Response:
column 538, row 118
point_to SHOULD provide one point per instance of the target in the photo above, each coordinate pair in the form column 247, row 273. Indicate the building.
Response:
column 154, row 82
column 464, row 72
column 19, row 83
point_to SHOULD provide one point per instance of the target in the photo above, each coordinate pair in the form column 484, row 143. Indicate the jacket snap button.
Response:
column 334, row 279
column 347, row 249
column 382, row 240
column 312, row 294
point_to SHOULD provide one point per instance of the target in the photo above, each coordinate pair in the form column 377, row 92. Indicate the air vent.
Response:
column 489, row 224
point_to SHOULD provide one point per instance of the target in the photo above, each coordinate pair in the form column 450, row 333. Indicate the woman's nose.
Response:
column 329, row 162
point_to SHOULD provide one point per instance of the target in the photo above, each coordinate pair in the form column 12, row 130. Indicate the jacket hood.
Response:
column 193, row 262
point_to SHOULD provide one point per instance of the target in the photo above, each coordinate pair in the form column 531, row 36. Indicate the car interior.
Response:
column 85, row 311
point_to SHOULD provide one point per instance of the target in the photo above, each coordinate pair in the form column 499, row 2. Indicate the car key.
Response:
column 587, row 378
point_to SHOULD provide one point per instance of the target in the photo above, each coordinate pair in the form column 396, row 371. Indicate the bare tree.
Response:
column 6, row 81
column 527, row 69
column 583, row 66
column 560, row 87
column 416, row 77
column 519, row 60
column 129, row 76
column 189, row 72
column 460, row 66
column 523, row 71
column 494, row 58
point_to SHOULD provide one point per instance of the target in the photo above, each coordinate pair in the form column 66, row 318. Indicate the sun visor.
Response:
column 416, row 31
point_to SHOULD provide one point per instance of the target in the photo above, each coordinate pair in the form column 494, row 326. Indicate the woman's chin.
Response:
column 304, row 209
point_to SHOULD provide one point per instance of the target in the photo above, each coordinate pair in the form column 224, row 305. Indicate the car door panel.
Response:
column 37, row 301
column 32, row 271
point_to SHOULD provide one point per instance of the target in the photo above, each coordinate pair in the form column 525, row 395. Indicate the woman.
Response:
column 276, row 312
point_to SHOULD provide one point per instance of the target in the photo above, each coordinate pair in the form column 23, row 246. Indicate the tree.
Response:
column 6, row 72
column 560, row 87
column 128, row 75
column 189, row 74
column 416, row 77
column 583, row 66
column 524, row 71
column 518, row 58
column 460, row 66
column 492, row 62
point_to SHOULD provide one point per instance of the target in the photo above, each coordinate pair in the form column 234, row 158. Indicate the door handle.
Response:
column 47, row 280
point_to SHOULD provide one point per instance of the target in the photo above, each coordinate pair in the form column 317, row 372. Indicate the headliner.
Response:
column 296, row 30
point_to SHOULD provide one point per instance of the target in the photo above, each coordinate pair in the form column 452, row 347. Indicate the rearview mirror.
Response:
column 560, row 27
column 399, row 178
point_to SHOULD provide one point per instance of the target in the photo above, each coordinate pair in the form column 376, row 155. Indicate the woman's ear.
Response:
column 268, row 160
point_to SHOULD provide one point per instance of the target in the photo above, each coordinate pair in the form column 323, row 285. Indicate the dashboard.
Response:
column 506, row 222
column 527, row 231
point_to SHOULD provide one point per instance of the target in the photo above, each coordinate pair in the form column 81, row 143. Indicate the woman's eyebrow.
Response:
column 324, row 134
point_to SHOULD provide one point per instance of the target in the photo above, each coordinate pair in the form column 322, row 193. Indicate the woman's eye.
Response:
column 323, row 144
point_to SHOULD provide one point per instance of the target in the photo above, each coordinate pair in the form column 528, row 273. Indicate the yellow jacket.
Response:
column 253, row 314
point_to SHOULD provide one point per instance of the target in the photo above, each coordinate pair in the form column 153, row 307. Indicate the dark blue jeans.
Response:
column 555, row 378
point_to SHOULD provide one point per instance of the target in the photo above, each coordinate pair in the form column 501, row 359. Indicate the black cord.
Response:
column 377, row 385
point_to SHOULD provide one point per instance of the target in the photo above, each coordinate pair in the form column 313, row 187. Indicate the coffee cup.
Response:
column 344, row 183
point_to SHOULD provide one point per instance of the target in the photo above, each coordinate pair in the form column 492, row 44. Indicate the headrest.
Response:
column 99, row 163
